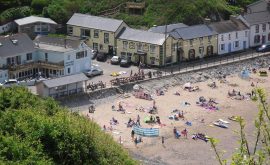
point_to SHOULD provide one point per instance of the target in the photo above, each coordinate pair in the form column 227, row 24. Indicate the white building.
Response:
column 233, row 35
column 74, row 55
column 257, row 18
column 21, row 58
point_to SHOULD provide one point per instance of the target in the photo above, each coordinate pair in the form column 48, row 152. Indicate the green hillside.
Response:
column 37, row 131
column 157, row 12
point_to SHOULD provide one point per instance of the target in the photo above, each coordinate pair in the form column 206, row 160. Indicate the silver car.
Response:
column 93, row 72
column 9, row 83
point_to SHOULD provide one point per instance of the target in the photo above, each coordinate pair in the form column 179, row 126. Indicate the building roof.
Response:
column 254, row 3
column 65, row 80
column 33, row 19
column 94, row 22
column 142, row 36
column 191, row 32
column 257, row 18
column 57, row 44
column 228, row 26
column 13, row 45
column 171, row 27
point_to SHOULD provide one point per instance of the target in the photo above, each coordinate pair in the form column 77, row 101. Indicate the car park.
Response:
column 9, row 83
column 125, row 63
column 264, row 48
column 115, row 60
column 93, row 72
column 101, row 56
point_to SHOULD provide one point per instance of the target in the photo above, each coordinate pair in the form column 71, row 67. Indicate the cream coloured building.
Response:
column 194, row 42
column 144, row 46
column 99, row 32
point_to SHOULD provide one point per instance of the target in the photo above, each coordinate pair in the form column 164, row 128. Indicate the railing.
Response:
column 111, row 11
column 34, row 64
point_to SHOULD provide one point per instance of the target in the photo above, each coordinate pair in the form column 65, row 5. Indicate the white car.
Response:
column 93, row 72
column 115, row 60
column 9, row 83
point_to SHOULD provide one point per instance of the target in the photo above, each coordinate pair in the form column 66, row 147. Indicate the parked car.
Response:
column 9, row 83
column 264, row 48
column 101, row 56
column 125, row 63
column 115, row 60
column 93, row 72
column 94, row 54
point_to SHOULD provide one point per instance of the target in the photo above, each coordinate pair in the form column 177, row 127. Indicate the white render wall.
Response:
column 261, row 33
column 241, row 38
column 6, row 27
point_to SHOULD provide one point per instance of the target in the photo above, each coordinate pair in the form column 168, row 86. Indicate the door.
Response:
column 201, row 52
column 263, row 39
column 245, row 44
column 110, row 48
column 229, row 47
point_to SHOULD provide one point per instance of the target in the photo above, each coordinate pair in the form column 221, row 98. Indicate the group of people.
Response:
column 177, row 134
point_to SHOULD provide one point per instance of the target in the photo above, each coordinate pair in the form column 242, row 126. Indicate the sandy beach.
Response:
column 182, row 150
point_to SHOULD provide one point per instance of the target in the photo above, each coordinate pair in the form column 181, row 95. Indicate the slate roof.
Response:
column 191, row 32
column 142, row 36
column 8, row 48
column 33, row 19
column 228, row 26
column 257, row 18
column 56, row 43
column 65, row 80
column 171, row 27
column 94, row 22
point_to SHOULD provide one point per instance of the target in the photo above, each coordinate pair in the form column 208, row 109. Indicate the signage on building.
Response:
column 69, row 63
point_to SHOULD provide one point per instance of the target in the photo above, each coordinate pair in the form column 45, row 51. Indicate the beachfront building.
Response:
column 145, row 47
column 67, row 56
column 193, row 42
column 257, row 18
column 21, row 58
column 62, row 86
column 100, row 33
column 167, row 28
column 233, row 35
column 34, row 26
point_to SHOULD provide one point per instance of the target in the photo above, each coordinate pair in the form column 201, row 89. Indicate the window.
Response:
column 152, row 48
column 191, row 42
column 152, row 60
column 201, row 40
column 209, row 39
column 46, row 56
column 139, row 46
column 264, row 27
column 70, row 30
column 100, row 47
column 257, row 39
column 236, row 35
column 29, row 56
column 68, row 70
column 236, row 44
column 222, row 47
column 246, row 33
column 229, row 36
column 85, row 33
column 106, row 38
column 18, row 59
column 80, row 55
column 191, row 54
column 125, row 45
column 85, row 53
column 95, row 46
column 68, row 58
column 268, row 36
column 257, row 28
column 269, row 25
column 96, row 34
column 210, row 50
column 222, row 38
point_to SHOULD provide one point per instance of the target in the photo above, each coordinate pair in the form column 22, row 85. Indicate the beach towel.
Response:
column 149, row 132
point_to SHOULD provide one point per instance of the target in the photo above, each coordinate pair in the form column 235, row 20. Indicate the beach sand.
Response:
column 185, row 151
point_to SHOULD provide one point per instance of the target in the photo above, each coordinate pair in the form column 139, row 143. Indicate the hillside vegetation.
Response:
column 38, row 131
column 157, row 12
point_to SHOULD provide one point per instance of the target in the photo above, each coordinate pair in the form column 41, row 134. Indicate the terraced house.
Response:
column 99, row 32
column 193, row 42
column 145, row 47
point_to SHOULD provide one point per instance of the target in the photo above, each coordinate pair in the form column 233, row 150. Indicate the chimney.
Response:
column 207, row 21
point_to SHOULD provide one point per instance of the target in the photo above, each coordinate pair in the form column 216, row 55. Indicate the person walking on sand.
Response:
column 162, row 140
column 184, row 132
column 132, row 134
column 138, row 120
